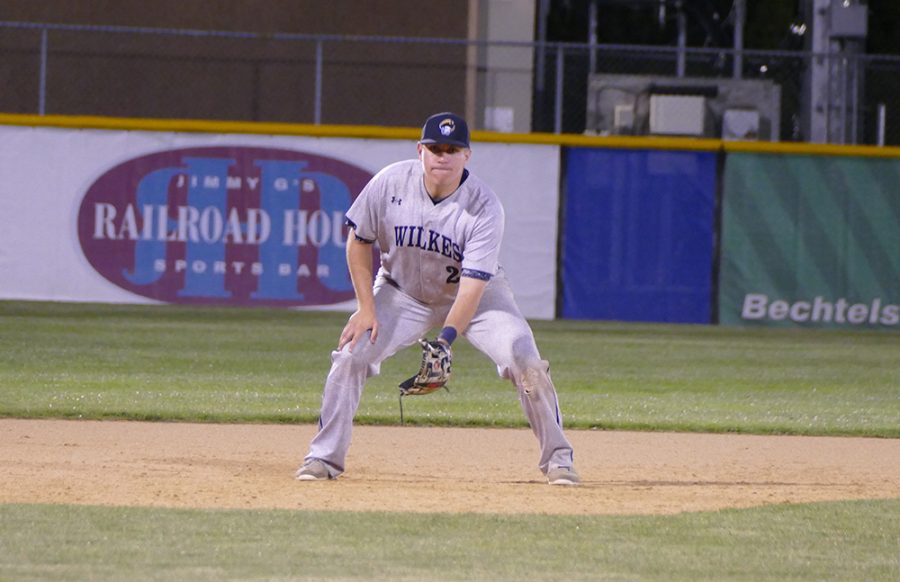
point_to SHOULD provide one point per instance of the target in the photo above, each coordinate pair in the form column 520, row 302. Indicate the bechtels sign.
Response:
column 759, row 307
column 234, row 225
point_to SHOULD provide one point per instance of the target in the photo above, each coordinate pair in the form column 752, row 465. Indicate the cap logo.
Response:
column 447, row 126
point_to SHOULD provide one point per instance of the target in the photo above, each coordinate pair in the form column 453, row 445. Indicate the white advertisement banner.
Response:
column 228, row 219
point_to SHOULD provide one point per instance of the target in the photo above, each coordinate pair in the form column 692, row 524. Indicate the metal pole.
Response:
column 843, row 100
column 538, row 119
column 42, row 89
column 854, row 99
column 592, row 35
column 740, row 10
column 682, row 41
column 472, row 62
column 558, row 104
column 882, row 119
column 544, row 10
column 829, row 95
column 317, row 116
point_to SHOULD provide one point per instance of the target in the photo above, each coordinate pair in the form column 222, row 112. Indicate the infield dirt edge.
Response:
column 431, row 469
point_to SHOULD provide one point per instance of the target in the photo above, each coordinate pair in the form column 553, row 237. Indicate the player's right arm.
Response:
column 359, row 262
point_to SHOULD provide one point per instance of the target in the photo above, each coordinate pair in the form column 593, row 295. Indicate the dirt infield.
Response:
column 446, row 470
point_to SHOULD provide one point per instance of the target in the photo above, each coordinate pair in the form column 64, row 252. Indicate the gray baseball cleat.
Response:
column 563, row 476
column 313, row 470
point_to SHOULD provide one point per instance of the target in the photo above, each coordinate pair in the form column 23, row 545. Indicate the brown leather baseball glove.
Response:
column 434, row 373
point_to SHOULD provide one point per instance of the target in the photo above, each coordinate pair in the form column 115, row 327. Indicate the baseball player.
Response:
column 438, row 228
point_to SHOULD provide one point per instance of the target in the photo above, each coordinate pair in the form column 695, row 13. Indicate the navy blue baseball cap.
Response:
column 447, row 128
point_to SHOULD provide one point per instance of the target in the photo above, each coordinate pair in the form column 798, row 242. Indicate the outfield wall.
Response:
column 630, row 229
column 107, row 215
column 758, row 238
column 810, row 241
column 638, row 235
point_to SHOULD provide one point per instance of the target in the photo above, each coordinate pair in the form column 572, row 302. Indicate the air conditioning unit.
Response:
column 623, row 119
column 740, row 124
column 677, row 115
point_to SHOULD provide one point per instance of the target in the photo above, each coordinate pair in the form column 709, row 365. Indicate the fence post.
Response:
column 882, row 119
column 42, row 89
column 558, row 103
column 843, row 98
column 317, row 115
column 740, row 16
column 592, row 36
column 681, row 59
column 854, row 100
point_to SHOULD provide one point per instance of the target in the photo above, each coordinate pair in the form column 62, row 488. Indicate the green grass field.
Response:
column 830, row 541
column 261, row 365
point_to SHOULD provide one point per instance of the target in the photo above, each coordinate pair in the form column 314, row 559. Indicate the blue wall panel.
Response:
column 637, row 235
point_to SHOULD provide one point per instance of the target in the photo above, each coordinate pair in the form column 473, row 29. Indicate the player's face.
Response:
column 443, row 162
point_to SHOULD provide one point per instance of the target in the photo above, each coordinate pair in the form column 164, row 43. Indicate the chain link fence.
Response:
column 391, row 81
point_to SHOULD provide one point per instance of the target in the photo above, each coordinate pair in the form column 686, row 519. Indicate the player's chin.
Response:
column 442, row 172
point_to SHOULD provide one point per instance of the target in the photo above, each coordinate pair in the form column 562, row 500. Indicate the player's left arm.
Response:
column 466, row 303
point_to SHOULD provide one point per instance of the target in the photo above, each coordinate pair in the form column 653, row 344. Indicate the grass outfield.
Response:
column 260, row 365
column 827, row 541
column 268, row 365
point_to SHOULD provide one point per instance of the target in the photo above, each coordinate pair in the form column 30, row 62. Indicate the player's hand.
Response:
column 357, row 326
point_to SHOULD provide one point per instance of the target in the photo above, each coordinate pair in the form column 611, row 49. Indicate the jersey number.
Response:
column 454, row 275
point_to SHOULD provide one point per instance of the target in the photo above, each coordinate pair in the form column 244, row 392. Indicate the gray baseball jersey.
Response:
column 426, row 246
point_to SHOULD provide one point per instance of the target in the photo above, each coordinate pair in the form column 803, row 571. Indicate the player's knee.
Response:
column 356, row 362
column 533, row 377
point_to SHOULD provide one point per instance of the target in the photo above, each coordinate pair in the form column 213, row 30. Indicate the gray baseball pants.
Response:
column 498, row 330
